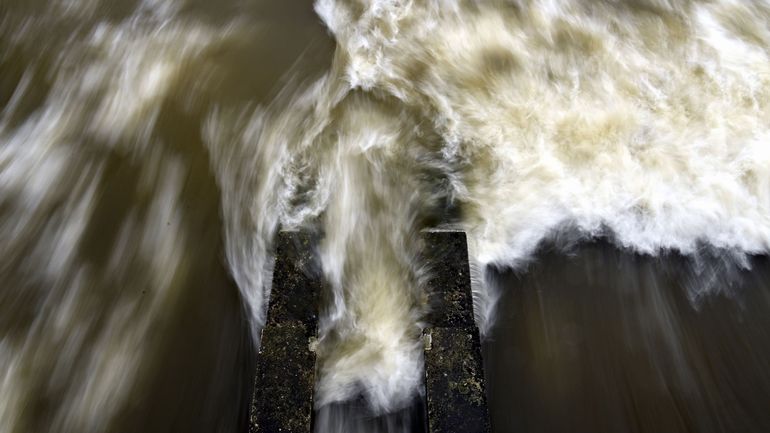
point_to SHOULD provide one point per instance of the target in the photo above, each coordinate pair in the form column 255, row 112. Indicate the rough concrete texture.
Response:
column 455, row 391
column 450, row 299
column 455, row 382
column 454, row 371
column 297, row 280
column 285, row 377
column 283, row 392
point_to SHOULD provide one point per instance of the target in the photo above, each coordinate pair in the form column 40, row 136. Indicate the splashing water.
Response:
column 643, row 121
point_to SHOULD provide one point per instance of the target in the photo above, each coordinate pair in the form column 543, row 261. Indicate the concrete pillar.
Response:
column 454, row 372
column 285, row 376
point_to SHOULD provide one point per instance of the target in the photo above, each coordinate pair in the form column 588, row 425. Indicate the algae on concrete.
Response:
column 454, row 372
column 455, row 382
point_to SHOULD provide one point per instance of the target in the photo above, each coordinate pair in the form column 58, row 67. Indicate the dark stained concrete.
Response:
column 285, row 378
column 454, row 372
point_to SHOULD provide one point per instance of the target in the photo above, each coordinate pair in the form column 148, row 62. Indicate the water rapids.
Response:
column 145, row 144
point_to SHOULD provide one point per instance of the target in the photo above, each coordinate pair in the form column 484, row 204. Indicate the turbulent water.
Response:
column 142, row 141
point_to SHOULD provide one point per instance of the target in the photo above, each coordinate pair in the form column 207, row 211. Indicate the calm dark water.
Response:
column 600, row 340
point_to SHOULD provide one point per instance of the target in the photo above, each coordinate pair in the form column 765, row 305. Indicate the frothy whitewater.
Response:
column 641, row 121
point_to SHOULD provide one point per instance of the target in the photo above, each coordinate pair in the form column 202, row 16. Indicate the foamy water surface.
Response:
column 145, row 144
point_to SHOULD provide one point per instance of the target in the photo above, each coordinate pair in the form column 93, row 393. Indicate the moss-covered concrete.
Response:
column 454, row 376
column 454, row 371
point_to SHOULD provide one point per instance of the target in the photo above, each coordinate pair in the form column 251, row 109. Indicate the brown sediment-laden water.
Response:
column 608, row 160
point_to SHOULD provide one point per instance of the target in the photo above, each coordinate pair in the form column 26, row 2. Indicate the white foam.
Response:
column 642, row 121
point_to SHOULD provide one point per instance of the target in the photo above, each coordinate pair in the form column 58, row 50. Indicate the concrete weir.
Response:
column 285, row 374
column 454, row 376
column 454, row 373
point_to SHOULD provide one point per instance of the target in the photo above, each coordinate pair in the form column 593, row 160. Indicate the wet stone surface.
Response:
column 454, row 371
column 455, row 382
column 450, row 299
column 285, row 376
column 297, row 280
column 283, row 394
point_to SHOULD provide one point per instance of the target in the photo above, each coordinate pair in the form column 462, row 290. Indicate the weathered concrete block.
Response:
column 285, row 375
column 297, row 280
column 454, row 372
column 455, row 391
column 450, row 299
column 283, row 392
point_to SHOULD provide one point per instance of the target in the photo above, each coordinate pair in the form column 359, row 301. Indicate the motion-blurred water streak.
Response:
column 150, row 149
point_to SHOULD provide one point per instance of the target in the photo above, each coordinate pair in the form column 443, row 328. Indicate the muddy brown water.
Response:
column 591, row 340
column 599, row 340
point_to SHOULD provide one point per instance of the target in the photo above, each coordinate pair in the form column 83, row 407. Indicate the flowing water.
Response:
column 598, row 340
column 150, row 149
